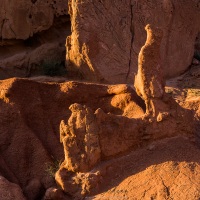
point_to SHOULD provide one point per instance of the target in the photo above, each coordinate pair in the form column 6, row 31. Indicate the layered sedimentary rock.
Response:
column 107, row 37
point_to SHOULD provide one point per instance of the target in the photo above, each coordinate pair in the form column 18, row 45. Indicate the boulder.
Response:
column 21, row 19
column 55, row 194
column 107, row 37
column 10, row 190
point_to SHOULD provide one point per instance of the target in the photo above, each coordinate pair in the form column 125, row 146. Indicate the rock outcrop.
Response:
column 30, row 116
column 92, row 138
column 32, row 33
column 10, row 190
column 81, row 144
column 149, row 82
column 22, row 19
column 107, row 37
column 89, row 138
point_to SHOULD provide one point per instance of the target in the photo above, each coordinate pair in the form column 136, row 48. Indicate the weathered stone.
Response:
column 81, row 141
column 32, row 33
column 34, row 189
column 107, row 37
column 55, row 194
column 10, row 190
column 21, row 19
column 149, row 81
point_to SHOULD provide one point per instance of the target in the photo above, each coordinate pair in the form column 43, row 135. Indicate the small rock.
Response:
column 55, row 194
column 195, row 61
column 162, row 115
column 34, row 190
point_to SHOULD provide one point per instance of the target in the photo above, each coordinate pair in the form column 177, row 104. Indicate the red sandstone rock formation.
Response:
column 149, row 82
column 106, row 121
column 89, row 139
column 22, row 19
column 107, row 37
column 32, row 33
column 10, row 190
column 30, row 116
column 31, row 112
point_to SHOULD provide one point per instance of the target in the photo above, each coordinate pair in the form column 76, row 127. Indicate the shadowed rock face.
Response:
column 32, row 33
column 149, row 81
column 107, row 37
column 89, row 138
column 21, row 19
column 30, row 116
column 10, row 190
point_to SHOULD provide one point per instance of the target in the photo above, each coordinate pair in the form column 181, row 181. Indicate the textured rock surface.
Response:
column 9, row 191
column 55, row 194
column 90, row 136
column 30, row 117
column 89, row 139
column 21, row 19
column 81, row 144
column 107, row 37
column 167, row 170
column 27, row 63
column 32, row 33
column 149, row 83
column 31, row 112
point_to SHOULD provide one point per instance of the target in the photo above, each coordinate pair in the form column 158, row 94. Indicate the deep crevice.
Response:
column 33, row 1
column 197, row 47
column 132, row 40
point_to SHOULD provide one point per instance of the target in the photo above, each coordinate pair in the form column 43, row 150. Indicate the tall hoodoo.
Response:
column 149, row 81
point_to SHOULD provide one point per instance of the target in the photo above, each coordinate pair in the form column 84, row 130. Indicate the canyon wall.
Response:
column 105, row 41
column 31, row 33
column 107, row 37
column 22, row 19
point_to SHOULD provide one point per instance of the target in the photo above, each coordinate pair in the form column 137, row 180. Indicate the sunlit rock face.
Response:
column 107, row 37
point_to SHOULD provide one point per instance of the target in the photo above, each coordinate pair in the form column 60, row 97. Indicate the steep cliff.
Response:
column 107, row 37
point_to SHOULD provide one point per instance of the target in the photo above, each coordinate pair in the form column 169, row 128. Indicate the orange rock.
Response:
column 107, row 37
